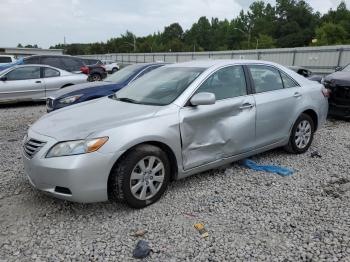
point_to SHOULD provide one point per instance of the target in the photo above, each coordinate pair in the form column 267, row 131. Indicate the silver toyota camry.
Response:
column 176, row 121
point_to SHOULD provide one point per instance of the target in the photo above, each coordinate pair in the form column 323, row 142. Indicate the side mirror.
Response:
column 203, row 98
column 338, row 68
column 4, row 78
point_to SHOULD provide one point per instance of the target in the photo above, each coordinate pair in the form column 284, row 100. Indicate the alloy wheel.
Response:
column 303, row 134
column 147, row 178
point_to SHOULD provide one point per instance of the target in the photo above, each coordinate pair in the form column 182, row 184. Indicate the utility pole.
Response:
column 134, row 43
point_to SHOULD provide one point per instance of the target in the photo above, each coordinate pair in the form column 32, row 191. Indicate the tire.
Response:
column 302, row 135
column 129, row 173
column 95, row 77
column 114, row 70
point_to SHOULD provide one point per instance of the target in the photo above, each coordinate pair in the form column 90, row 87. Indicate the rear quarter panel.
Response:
column 315, row 100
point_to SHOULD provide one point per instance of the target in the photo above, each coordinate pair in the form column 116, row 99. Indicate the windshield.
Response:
column 159, row 87
column 346, row 69
column 124, row 74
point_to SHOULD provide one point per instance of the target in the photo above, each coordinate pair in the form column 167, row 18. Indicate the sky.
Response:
column 47, row 22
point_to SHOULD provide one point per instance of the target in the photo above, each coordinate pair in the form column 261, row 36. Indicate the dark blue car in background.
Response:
column 88, row 91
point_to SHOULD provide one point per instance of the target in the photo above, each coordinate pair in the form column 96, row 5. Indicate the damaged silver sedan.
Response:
column 176, row 121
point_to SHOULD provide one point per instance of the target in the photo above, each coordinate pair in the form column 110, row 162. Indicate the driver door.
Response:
column 22, row 83
column 221, row 130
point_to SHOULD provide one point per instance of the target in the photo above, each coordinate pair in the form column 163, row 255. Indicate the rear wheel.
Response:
column 114, row 70
column 140, row 177
column 95, row 77
column 302, row 135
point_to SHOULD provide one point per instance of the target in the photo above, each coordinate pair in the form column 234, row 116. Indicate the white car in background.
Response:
column 34, row 82
column 111, row 66
column 7, row 59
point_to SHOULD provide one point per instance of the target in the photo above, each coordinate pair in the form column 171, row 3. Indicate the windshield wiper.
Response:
column 126, row 99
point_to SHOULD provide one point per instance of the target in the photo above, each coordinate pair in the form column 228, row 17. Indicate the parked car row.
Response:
column 174, row 121
column 34, row 82
column 94, row 68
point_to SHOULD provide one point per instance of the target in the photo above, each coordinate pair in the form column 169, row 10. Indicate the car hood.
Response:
column 339, row 78
column 83, row 88
column 81, row 120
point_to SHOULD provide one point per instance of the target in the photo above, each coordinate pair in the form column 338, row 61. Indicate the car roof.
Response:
column 219, row 62
column 39, row 65
column 53, row 56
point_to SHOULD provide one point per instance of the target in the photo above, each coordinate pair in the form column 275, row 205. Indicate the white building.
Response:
column 22, row 52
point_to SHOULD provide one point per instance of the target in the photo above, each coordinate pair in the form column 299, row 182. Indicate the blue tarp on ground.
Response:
column 282, row 171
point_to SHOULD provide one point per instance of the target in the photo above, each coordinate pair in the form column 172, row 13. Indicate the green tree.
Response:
column 331, row 34
column 265, row 41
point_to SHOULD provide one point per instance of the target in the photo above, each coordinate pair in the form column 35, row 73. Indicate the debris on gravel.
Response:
column 251, row 215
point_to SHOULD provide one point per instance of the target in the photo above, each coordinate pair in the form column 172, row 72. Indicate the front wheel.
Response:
column 302, row 135
column 140, row 177
column 114, row 70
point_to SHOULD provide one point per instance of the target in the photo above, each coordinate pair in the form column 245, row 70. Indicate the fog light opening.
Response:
column 63, row 190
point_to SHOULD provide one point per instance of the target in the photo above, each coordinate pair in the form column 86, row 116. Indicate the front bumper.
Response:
column 339, row 110
column 86, row 175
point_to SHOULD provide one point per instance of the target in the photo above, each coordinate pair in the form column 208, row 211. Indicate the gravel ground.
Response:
column 250, row 216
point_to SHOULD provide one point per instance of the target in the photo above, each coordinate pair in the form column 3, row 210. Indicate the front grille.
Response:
column 341, row 95
column 32, row 146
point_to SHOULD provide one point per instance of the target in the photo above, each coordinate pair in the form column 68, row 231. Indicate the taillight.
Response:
column 85, row 70
column 326, row 92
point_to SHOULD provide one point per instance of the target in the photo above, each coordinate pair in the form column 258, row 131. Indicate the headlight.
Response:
column 76, row 147
column 69, row 99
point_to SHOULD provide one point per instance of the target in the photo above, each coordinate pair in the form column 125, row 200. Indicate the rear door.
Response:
column 52, row 80
column 277, row 97
column 22, row 84
column 224, row 129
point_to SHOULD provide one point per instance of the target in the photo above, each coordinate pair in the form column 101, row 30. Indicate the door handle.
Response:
column 297, row 94
column 38, row 82
column 246, row 106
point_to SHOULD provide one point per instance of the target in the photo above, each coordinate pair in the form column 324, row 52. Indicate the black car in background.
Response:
column 70, row 64
column 339, row 85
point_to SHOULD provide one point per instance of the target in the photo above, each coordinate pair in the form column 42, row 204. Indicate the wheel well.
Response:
column 67, row 85
column 311, row 113
column 164, row 147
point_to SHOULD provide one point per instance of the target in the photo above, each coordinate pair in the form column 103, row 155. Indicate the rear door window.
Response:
column 50, row 72
column 24, row 73
column 287, row 81
column 265, row 78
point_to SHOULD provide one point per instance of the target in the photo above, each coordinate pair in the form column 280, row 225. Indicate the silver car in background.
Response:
column 34, row 82
column 176, row 121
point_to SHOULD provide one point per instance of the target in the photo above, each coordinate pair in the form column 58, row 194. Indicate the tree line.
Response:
column 288, row 23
